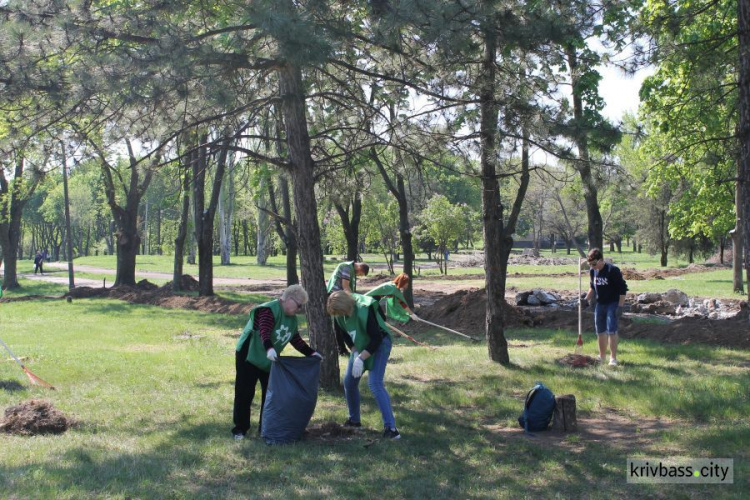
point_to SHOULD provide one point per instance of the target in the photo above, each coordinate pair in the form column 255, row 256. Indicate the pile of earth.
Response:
column 465, row 311
column 150, row 294
column 35, row 417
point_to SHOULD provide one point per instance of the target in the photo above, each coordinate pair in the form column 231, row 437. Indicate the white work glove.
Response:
column 316, row 354
column 271, row 354
column 358, row 367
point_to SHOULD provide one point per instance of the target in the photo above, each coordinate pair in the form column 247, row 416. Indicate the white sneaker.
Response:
column 239, row 437
column 612, row 362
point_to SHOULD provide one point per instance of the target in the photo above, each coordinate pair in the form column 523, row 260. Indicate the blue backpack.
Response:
column 538, row 409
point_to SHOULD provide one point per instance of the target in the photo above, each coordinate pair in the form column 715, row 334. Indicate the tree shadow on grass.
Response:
column 11, row 386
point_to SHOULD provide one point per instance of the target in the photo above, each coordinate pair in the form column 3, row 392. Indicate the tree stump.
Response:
column 564, row 418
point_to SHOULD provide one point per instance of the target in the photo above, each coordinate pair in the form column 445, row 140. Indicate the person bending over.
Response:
column 271, row 327
column 360, row 328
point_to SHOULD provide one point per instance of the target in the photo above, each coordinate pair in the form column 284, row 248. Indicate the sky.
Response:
column 620, row 91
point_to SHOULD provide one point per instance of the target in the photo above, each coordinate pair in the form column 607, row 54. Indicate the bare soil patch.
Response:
column 577, row 360
column 610, row 428
column 149, row 294
column 35, row 417
column 331, row 433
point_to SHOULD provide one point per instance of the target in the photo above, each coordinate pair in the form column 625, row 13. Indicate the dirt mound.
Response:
column 163, row 297
column 465, row 311
column 632, row 275
column 577, row 360
column 733, row 332
column 187, row 283
column 35, row 417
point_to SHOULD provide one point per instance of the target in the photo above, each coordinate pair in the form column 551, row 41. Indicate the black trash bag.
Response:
column 290, row 399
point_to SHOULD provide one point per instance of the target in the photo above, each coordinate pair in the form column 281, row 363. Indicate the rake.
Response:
column 446, row 329
column 409, row 337
column 32, row 378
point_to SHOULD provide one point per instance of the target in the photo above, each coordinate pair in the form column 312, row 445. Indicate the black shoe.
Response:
column 391, row 434
column 349, row 423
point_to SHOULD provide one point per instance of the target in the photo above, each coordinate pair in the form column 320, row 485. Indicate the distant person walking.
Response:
column 609, row 287
column 38, row 262
column 344, row 277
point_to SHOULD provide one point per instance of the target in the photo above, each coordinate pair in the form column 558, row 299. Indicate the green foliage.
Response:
column 690, row 110
column 443, row 221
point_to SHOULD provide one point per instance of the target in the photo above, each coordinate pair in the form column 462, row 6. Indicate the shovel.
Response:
column 579, row 342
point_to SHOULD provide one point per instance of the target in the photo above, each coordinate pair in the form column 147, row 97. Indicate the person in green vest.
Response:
column 391, row 296
column 359, row 326
column 344, row 277
column 271, row 327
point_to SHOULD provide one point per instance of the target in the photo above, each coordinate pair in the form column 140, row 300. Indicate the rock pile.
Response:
column 676, row 303
column 537, row 297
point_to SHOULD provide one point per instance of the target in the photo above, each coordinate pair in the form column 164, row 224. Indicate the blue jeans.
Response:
column 605, row 318
column 377, row 387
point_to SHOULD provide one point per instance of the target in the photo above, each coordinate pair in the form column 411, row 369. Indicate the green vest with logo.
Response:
column 393, row 299
column 335, row 277
column 356, row 324
column 284, row 328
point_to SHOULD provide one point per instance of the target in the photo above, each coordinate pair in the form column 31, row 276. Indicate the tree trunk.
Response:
column 351, row 225
column 285, row 227
column 738, row 285
column 204, row 215
column 69, row 246
column 583, row 164
column 496, row 247
column 126, row 218
column 303, row 185
column 264, row 224
column 13, row 198
column 226, row 212
column 182, row 229
column 744, row 129
column 245, row 238
column 158, row 231
column 398, row 190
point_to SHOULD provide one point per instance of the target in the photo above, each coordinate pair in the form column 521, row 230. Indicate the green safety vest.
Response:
column 283, row 329
column 356, row 324
column 392, row 294
column 335, row 277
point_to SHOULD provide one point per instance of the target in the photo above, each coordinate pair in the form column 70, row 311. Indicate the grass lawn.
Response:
column 153, row 389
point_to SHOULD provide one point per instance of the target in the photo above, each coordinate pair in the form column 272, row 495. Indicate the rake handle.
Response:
column 447, row 329
column 12, row 355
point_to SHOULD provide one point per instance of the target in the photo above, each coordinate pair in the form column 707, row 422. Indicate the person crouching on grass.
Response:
column 271, row 327
column 607, row 283
column 359, row 326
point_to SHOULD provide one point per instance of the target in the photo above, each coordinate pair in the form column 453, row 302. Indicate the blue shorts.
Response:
column 605, row 318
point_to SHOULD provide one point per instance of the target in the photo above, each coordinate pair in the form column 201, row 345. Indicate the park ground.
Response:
column 147, row 379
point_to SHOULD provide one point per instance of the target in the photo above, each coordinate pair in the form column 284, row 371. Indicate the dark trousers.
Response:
column 247, row 378
column 38, row 267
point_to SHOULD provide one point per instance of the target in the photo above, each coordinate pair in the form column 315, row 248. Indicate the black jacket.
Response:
column 608, row 284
